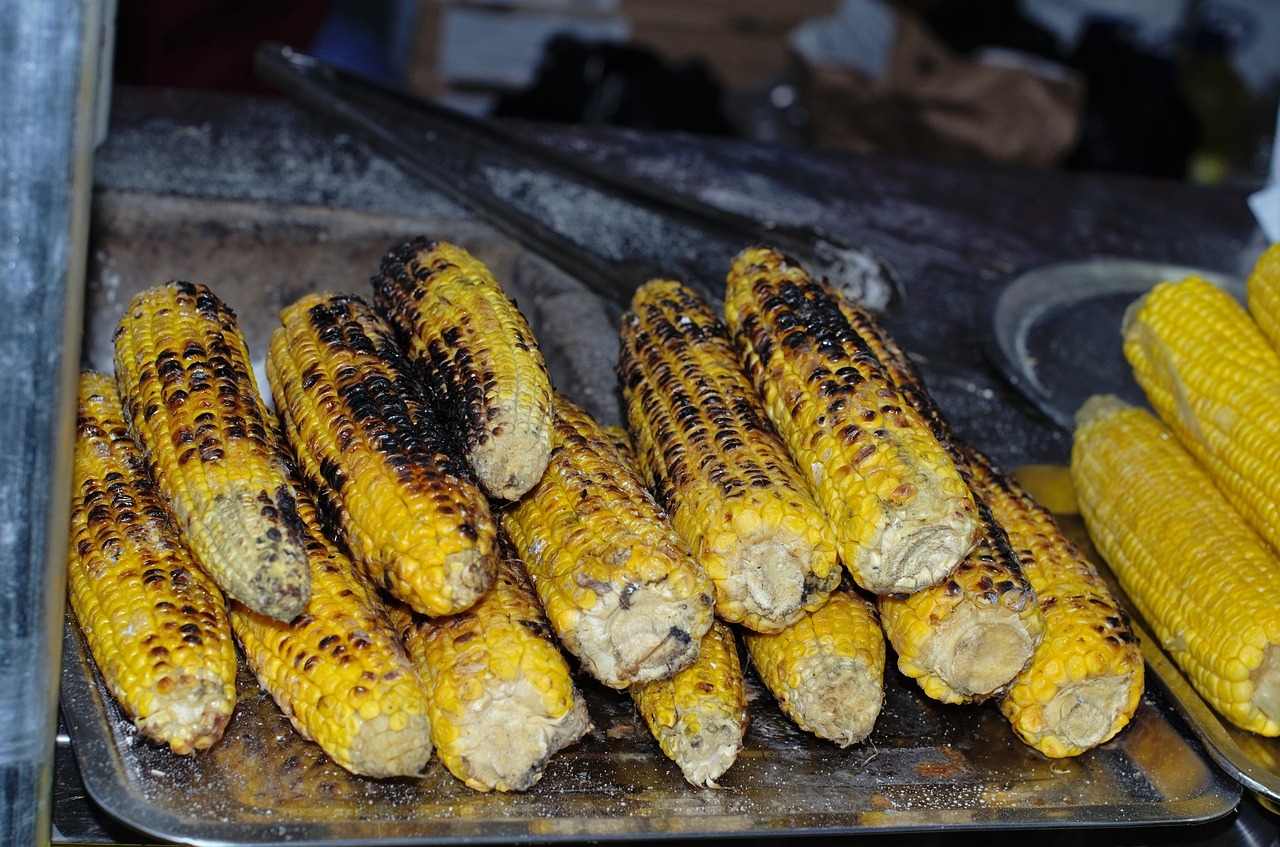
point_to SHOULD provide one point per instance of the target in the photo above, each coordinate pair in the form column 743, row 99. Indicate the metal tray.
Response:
column 1057, row 337
column 926, row 766
column 1056, row 329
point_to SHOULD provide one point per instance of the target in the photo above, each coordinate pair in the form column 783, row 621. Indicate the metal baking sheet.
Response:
column 1056, row 329
column 926, row 766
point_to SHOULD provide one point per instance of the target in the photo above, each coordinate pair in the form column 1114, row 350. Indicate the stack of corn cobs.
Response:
column 1184, row 504
column 420, row 539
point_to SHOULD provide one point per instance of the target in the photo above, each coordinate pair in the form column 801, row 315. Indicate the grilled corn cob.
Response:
column 1195, row 571
column 411, row 514
column 1086, row 677
column 1263, row 292
column 699, row 715
column 1212, row 377
column 156, row 625
column 478, row 355
column 192, row 403
column 708, row 452
column 826, row 670
column 503, row 701
column 902, row 515
column 339, row 671
column 967, row 637
column 620, row 588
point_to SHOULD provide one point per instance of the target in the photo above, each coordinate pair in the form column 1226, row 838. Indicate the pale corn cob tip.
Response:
column 619, row 586
column 155, row 624
column 699, row 715
column 903, row 517
column 338, row 672
column 503, row 700
column 706, row 449
column 373, row 451
column 827, row 669
column 1196, row 572
column 478, row 354
column 192, row 403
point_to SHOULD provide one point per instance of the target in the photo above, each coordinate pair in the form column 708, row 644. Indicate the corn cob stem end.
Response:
column 191, row 716
column 918, row 557
column 985, row 654
column 1083, row 714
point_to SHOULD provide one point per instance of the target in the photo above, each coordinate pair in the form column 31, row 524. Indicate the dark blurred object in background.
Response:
column 619, row 85
column 1136, row 118
column 207, row 44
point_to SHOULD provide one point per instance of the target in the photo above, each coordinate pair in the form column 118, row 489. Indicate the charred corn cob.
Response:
column 1212, row 377
column 155, row 624
column 966, row 637
column 193, row 405
column 1200, row 577
column 1263, row 290
column 699, row 715
column 503, row 701
column 620, row 588
column 411, row 514
column 826, row 670
column 1086, row 677
column 339, row 671
column 479, row 357
column 706, row 448
column 902, row 515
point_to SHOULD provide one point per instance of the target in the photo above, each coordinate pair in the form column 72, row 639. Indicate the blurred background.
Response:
column 1183, row 89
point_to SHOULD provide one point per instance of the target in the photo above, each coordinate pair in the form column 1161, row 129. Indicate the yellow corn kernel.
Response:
column 1194, row 569
column 826, row 670
column 155, row 624
column 503, row 700
column 707, row 450
column 193, row 405
column 1263, row 294
column 902, row 515
column 377, row 459
column 478, row 356
column 699, row 715
column 620, row 588
column 1212, row 377
column 339, row 671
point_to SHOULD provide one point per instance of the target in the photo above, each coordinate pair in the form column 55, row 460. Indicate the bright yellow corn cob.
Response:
column 478, row 355
column 411, row 514
column 156, row 625
column 699, row 715
column 503, row 701
column 1086, row 677
column 902, row 515
column 193, row 405
column 707, row 450
column 1212, row 377
column 620, row 588
column 826, row 670
column 1197, row 574
column 967, row 637
column 1263, row 290
column 339, row 671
